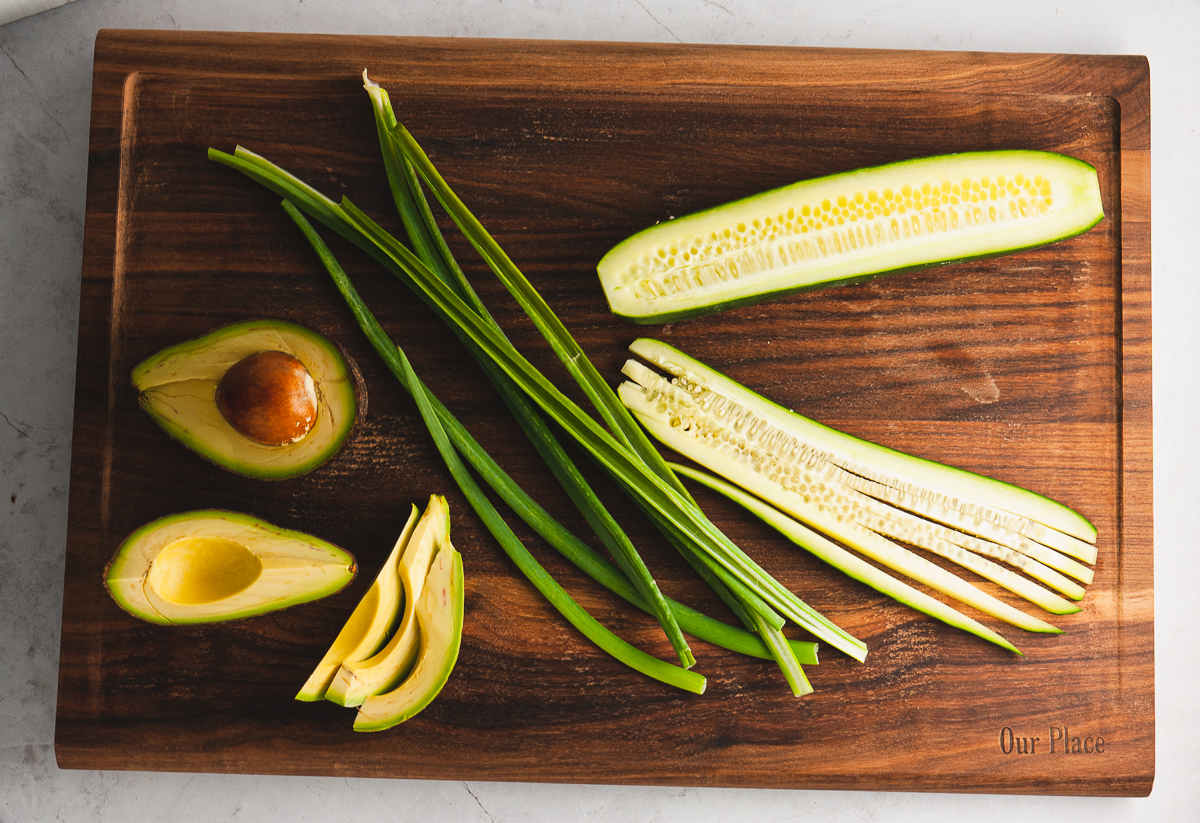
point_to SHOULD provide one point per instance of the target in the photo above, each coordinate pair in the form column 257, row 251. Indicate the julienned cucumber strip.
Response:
column 845, row 561
column 1021, row 509
column 427, row 240
column 846, row 530
column 800, row 468
column 558, row 597
column 849, row 227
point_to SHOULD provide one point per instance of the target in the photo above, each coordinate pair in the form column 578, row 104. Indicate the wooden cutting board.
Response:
column 1033, row 368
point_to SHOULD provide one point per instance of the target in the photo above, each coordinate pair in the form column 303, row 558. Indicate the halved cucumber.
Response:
column 848, row 227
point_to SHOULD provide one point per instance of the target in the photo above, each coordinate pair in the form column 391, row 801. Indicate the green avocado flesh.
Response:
column 177, row 387
column 208, row 566
column 849, row 227
column 439, row 613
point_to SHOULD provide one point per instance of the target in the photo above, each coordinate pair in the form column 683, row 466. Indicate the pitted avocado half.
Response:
column 211, row 565
column 264, row 398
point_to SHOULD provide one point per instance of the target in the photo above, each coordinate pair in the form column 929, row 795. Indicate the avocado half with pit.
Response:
column 263, row 398
column 211, row 565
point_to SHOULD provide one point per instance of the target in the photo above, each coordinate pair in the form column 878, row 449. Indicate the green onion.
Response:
column 529, row 566
column 671, row 506
column 614, row 413
column 676, row 508
column 599, row 392
column 316, row 204
column 429, row 244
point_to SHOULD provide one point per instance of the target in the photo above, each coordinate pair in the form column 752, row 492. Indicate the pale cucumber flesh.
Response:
column 845, row 561
column 828, row 520
column 848, row 227
column 971, row 496
column 813, row 473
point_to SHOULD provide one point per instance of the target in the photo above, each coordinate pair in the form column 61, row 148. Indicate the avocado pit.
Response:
column 269, row 397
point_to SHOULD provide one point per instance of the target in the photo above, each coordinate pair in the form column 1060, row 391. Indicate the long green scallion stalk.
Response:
column 567, row 544
column 659, row 493
column 431, row 247
column 598, row 391
column 534, row 571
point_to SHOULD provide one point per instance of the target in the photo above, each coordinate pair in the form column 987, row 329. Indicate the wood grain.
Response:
column 1033, row 368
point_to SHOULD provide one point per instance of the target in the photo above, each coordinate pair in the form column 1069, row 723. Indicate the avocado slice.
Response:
column 263, row 398
column 440, row 619
column 211, row 565
column 369, row 624
column 360, row 678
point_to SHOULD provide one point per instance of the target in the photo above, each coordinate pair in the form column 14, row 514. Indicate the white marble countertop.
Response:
column 45, row 84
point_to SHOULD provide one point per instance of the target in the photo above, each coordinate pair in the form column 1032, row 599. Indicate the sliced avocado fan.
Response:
column 440, row 618
column 372, row 620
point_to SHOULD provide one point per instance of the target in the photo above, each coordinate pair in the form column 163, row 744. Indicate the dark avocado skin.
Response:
column 252, row 459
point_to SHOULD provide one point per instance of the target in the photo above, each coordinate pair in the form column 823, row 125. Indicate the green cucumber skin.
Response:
column 714, row 307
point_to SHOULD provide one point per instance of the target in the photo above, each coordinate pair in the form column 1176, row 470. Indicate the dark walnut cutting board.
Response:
column 1033, row 368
